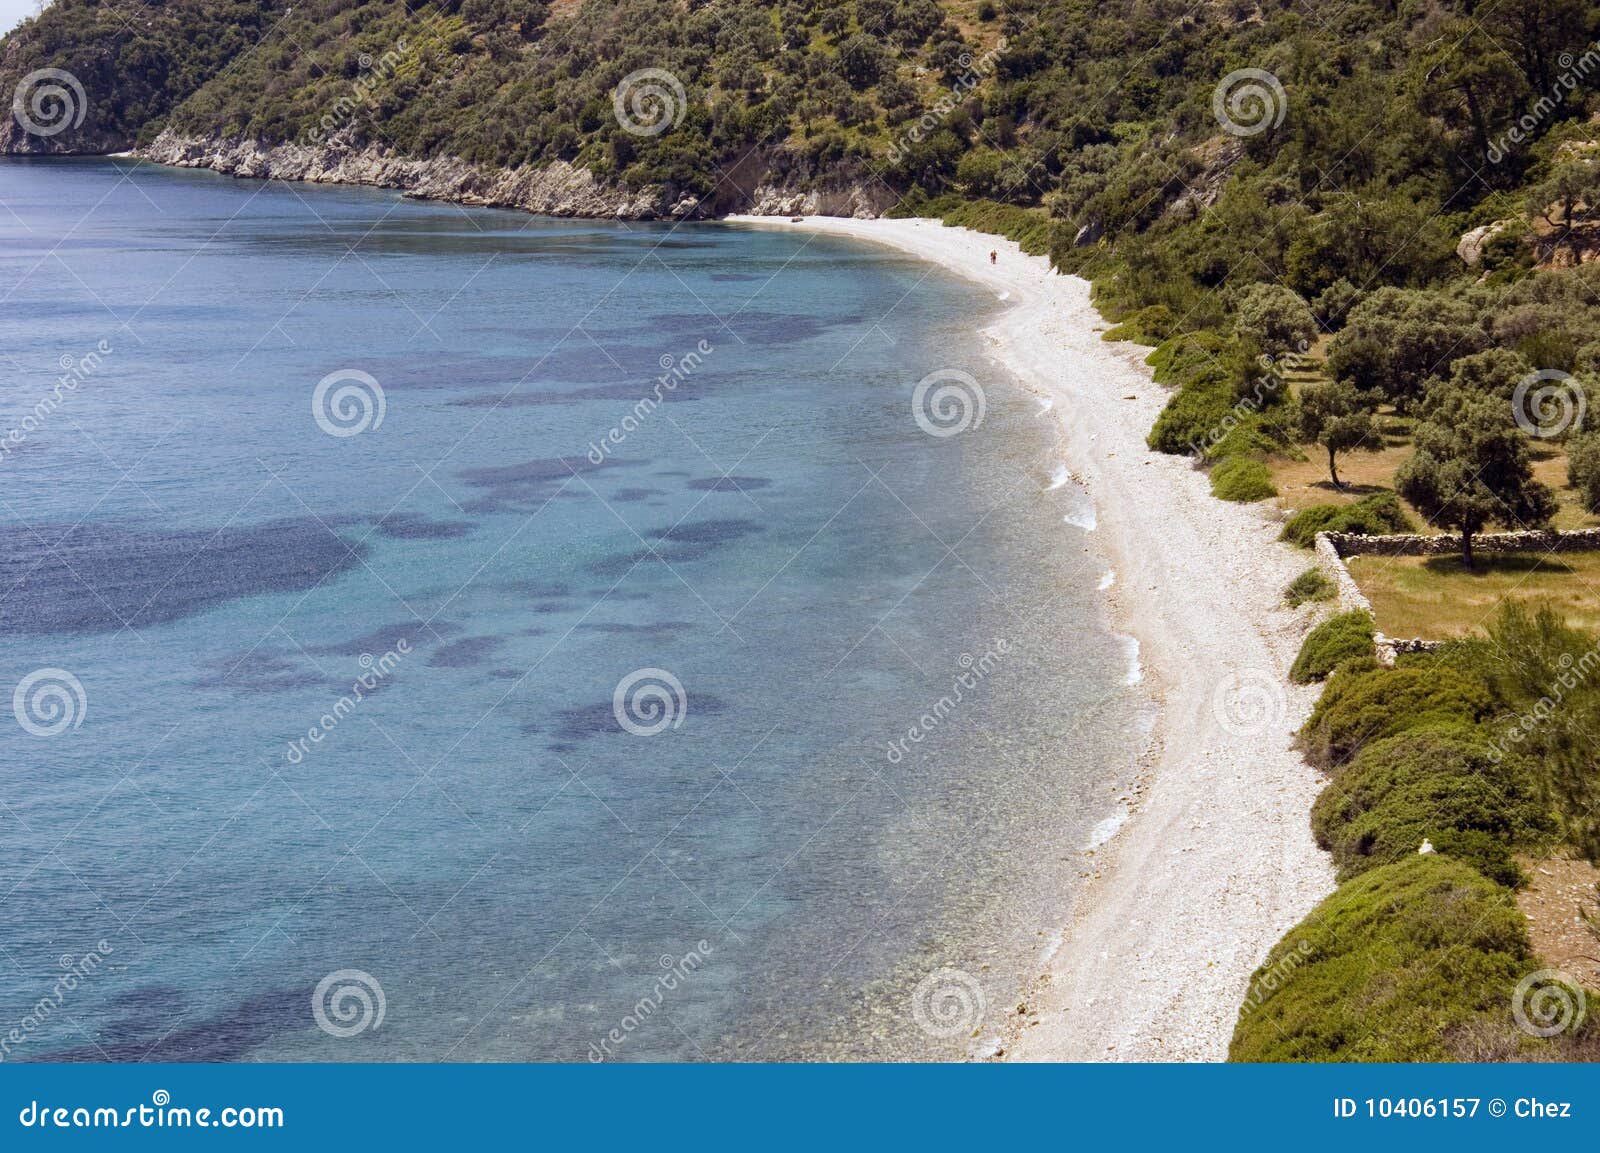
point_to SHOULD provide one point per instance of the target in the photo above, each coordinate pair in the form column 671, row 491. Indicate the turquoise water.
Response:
column 767, row 865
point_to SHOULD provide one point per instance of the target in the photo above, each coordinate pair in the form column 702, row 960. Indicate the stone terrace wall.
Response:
column 1416, row 544
column 1333, row 547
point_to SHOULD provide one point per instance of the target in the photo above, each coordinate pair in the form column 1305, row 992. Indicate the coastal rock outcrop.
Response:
column 555, row 189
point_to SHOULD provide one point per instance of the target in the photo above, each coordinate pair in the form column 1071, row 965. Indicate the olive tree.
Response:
column 1277, row 317
column 1340, row 419
column 1472, row 468
column 1396, row 339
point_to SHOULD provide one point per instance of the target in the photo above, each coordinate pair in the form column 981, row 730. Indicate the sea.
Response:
column 437, row 633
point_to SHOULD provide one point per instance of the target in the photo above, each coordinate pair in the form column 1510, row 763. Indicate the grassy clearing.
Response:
column 1438, row 598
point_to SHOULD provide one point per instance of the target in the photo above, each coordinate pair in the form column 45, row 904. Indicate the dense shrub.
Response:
column 1194, row 418
column 1445, row 787
column 1583, row 468
column 1311, row 585
column 1178, row 360
column 1276, row 318
column 1396, row 339
column 1375, row 515
column 1032, row 230
column 1365, row 702
column 1150, row 325
column 1243, row 479
column 1412, row 961
column 1330, row 644
column 1544, row 678
column 1332, row 307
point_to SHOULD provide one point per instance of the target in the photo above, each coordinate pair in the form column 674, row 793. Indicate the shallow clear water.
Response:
column 520, row 874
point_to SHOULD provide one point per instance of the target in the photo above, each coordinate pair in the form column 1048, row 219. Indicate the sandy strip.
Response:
column 1216, row 862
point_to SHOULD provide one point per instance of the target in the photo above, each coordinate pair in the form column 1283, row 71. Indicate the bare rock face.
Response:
column 861, row 201
column 1470, row 248
column 555, row 189
column 15, row 140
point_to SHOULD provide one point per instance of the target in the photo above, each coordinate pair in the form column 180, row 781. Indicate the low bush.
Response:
column 1443, row 786
column 1194, row 418
column 1031, row 228
column 1543, row 677
column 1243, row 479
column 1311, row 585
column 1330, row 644
column 1177, row 359
column 1365, row 702
column 1377, row 515
column 1150, row 325
column 1413, row 961
column 1583, row 468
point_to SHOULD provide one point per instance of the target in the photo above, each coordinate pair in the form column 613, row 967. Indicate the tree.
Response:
column 1396, row 339
column 1472, row 468
column 1278, row 318
column 861, row 59
column 1340, row 419
column 1573, row 191
column 1583, row 468
column 1334, row 303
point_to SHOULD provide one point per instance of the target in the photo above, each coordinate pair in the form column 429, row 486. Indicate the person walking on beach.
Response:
column 991, row 255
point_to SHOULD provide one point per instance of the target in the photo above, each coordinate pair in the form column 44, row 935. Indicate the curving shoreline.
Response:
column 1216, row 862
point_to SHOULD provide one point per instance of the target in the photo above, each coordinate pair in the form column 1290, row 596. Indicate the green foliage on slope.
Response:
column 1481, row 750
column 133, row 62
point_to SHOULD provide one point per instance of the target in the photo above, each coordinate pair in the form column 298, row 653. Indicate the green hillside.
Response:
column 1349, row 226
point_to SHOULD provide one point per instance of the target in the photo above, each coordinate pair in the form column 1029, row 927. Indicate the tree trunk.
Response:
column 1333, row 472
column 1466, row 548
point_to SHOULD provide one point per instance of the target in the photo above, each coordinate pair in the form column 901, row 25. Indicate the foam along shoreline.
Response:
column 1215, row 863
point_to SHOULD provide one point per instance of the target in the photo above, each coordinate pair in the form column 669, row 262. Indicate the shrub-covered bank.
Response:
column 1441, row 770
